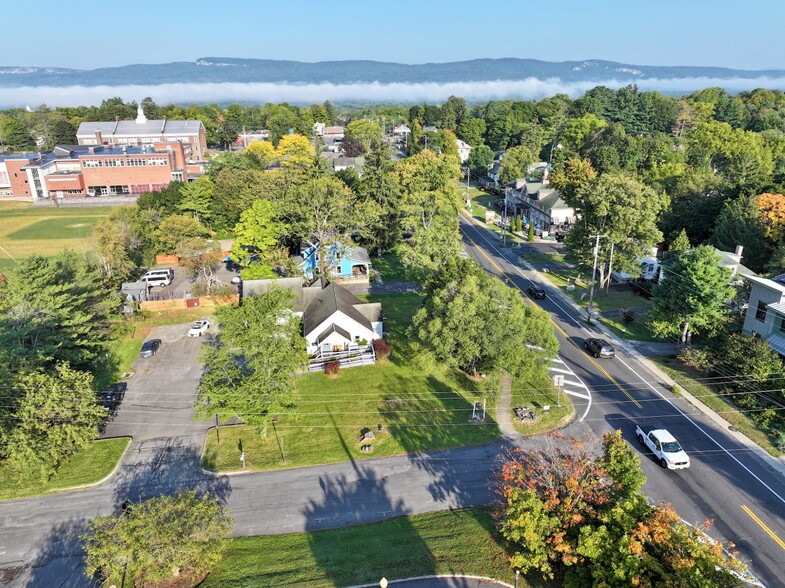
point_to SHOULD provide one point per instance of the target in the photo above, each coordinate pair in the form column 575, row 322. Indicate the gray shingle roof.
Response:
column 130, row 128
column 329, row 301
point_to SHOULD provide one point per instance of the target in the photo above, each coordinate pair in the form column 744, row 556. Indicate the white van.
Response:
column 158, row 277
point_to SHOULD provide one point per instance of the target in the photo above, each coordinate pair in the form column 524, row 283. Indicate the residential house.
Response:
column 344, row 263
column 491, row 180
column 318, row 128
column 337, row 321
column 401, row 132
column 765, row 315
column 464, row 150
column 246, row 138
column 337, row 325
column 333, row 133
column 538, row 204
column 341, row 163
column 655, row 269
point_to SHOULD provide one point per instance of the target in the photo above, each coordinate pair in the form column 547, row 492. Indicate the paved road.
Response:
column 728, row 483
column 40, row 546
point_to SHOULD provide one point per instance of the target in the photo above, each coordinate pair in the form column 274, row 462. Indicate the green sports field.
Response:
column 26, row 229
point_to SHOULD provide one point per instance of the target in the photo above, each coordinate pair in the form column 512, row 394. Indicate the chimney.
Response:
column 739, row 250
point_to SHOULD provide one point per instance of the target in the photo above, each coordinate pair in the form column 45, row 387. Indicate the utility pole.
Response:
column 610, row 269
column 590, row 308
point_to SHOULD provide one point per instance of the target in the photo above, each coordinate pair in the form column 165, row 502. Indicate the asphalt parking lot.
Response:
column 159, row 401
column 182, row 283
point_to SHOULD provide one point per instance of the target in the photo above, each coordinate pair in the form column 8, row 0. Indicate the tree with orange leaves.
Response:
column 574, row 510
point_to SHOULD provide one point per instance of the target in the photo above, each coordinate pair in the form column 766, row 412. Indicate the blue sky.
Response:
column 88, row 34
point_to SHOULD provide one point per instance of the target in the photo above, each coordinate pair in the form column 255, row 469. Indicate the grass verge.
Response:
column 419, row 404
column 537, row 394
column 456, row 542
column 88, row 466
column 391, row 269
column 689, row 379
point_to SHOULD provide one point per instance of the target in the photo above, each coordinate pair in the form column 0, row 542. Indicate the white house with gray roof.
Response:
column 337, row 325
column 539, row 204
column 139, row 132
column 765, row 314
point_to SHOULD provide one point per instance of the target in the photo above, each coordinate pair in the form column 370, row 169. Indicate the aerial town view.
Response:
column 420, row 295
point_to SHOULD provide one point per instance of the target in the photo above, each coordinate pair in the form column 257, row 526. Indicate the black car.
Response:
column 112, row 397
column 150, row 347
column 535, row 292
column 599, row 348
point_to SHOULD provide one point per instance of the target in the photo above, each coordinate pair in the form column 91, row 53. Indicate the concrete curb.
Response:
column 106, row 477
column 776, row 464
column 439, row 577
column 756, row 450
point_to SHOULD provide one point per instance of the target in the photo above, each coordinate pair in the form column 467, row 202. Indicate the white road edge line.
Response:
column 660, row 394
column 697, row 426
column 484, row 238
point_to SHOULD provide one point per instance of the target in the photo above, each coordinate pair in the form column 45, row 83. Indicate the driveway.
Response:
column 158, row 414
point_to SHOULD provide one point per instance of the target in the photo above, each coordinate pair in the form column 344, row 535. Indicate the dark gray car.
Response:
column 599, row 348
column 150, row 347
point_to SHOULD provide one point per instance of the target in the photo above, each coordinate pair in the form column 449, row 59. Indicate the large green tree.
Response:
column 162, row 539
column 250, row 371
column 620, row 209
column 55, row 309
column 474, row 322
column 515, row 163
column 691, row 296
column 428, row 210
column 46, row 417
column 257, row 234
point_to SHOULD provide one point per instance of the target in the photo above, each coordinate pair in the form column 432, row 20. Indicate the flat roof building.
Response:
column 135, row 133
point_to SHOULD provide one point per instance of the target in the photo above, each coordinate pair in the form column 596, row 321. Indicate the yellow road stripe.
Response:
column 763, row 526
column 562, row 331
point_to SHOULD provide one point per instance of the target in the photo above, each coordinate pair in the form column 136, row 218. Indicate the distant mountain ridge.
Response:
column 236, row 70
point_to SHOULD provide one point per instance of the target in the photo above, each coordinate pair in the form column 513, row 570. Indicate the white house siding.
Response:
column 346, row 323
column 767, row 292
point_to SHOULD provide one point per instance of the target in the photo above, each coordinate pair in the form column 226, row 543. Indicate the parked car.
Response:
column 150, row 347
column 599, row 348
column 536, row 292
column 198, row 328
column 113, row 396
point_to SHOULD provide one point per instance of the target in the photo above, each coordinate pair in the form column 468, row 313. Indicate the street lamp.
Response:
column 517, row 575
column 383, row 583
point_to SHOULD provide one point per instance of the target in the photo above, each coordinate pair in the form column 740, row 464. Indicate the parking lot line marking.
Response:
column 763, row 526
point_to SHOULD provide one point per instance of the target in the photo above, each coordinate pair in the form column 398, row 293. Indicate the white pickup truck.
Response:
column 665, row 448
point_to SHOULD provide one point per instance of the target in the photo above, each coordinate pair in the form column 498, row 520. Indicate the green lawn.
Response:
column 537, row 394
column 46, row 230
column 457, row 542
column 85, row 467
column 690, row 380
column 390, row 268
column 419, row 404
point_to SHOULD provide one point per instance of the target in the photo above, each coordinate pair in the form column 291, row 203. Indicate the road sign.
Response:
column 558, row 380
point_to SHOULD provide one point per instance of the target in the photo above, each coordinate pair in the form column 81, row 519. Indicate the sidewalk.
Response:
column 639, row 350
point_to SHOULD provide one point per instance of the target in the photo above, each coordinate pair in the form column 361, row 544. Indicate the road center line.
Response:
column 763, row 526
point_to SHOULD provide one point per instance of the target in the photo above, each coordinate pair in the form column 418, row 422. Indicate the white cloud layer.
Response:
column 530, row 88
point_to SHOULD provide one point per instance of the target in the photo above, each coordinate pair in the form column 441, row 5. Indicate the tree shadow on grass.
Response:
column 459, row 477
column 352, row 558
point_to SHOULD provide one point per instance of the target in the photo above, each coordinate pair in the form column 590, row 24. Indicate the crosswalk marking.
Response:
column 577, row 394
column 560, row 371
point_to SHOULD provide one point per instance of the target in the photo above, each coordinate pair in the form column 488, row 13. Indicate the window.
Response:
column 760, row 314
column 114, row 163
column 119, row 190
column 139, row 188
column 91, row 163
